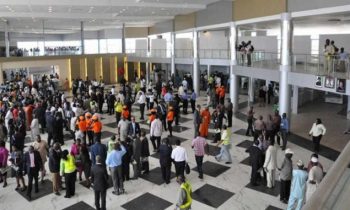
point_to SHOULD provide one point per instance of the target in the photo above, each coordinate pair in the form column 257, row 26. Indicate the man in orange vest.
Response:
column 126, row 113
column 82, row 126
column 96, row 128
column 170, row 120
column 89, row 131
column 222, row 94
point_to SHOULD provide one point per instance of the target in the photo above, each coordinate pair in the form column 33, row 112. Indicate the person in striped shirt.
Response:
column 199, row 144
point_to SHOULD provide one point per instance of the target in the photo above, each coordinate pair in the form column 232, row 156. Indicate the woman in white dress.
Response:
column 34, row 127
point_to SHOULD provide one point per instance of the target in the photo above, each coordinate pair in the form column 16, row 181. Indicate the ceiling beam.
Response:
column 100, row 3
column 79, row 16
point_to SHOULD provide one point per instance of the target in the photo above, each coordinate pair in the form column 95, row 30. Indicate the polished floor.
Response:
column 225, row 186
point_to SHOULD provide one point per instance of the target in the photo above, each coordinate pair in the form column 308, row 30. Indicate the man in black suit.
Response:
column 99, row 178
column 134, row 129
column 32, row 164
column 165, row 160
column 256, row 161
column 50, row 121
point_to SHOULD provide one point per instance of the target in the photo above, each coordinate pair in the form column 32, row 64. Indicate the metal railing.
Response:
column 183, row 53
column 214, row 53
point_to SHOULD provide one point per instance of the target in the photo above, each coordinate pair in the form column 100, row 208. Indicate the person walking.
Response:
column 256, row 161
column 142, row 103
column 197, row 120
column 229, row 112
column 4, row 153
column 68, row 170
column 136, row 157
column 284, row 129
column 184, row 201
column 144, row 153
column 286, row 171
column 170, row 120
column 32, row 164
column 270, row 164
column 114, row 163
column 298, row 187
column 179, row 156
column 42, row 147
column 317, row 131
column 165, row 151
column 250, row 117
column 156, row 133
column 199, row 145
column 99, row 178
column 54, row 167
column 226, row 145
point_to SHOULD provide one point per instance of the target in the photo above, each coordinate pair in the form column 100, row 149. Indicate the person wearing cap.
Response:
column 184, row 201
column 315, row 178
column 298, row 187
column 270, row 164
column 317, row 131
column 310, row 165
column 82, row 126
column 96, row 128
column 89, row 131
column 286, row 171
column 170, row 120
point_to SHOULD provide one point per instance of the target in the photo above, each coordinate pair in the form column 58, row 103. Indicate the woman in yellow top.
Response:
column 68, row 170
column 118, row 107
column 226, row 145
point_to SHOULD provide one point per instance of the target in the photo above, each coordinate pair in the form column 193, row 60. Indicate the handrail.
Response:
column 324, row 190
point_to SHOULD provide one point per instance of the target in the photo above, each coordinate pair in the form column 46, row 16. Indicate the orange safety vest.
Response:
column 125, row 114
column 88, row 124
column 82, row 125
column 170, row 116
column 152, row 117
column 97, row 127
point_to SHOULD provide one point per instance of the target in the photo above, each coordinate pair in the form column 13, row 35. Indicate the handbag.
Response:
column 187, row 168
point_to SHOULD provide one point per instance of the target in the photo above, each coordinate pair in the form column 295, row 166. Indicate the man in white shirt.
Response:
column 270, row 164
column 156, row 133
column 184, row 84
column 123, row 127
column 315, row 178
column 142, row 102
column 317, row 131
column 179, row 155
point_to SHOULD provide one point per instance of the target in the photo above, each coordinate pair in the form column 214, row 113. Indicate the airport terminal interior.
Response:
column 284, row 58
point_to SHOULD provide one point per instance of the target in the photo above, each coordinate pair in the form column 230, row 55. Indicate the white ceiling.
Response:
column 64, row 16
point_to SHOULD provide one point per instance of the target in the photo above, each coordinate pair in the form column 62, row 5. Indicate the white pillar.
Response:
column 251, row 87
column 172, row 67
column 82, row 38
column 123, row 39
column 195, row 62
column 233, row 62
column 348, row 109
column 208, row 70
column 7, row 39
column 43, row 24
column 286, row 47
column 295, row 99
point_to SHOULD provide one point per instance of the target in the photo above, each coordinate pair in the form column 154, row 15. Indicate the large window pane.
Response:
column 91, row 46
column 114, row 45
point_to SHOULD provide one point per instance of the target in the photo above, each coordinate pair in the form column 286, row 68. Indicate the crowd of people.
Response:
column 335, row 59
column 40, row 108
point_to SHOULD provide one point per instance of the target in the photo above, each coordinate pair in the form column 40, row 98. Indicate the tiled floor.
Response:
column 224, row 187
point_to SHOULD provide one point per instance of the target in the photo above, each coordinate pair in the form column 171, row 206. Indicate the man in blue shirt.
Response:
column 168, row 97
column 114, row 163
column 98, row 149
column 193, row 100
column 284, row 130
column 298, row 187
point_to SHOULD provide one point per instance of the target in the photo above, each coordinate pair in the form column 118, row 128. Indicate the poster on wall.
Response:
column 319, row 81
column 329, row 82
column 341, row 85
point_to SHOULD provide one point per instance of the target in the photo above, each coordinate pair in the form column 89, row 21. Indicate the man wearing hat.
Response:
column 286, row 171
column 297, row 194
column 315, row 177
column 96, row 128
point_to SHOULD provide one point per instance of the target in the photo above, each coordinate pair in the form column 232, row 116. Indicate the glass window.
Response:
column 114, row 45
column 91, row 46
column 103, row 46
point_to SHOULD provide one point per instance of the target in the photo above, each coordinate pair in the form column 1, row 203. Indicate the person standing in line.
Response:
column 284, row 130
column 298, row 187
column 156, row 133
column 250, row 117
column 165, row 151
column 317, row 131
column 99, row 178
column 226, row 145
column 114, row 163
column 42, row 147
column 314, row 179
column 197, row 120
column 32, row 164
column 199, row 145
column 179, row 156
column 68, row 170
column 270, row 164
column 286, row 171
column 54, row 166
column 185, row 197
column 144, row 153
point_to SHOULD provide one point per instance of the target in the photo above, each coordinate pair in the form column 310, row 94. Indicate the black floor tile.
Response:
column 184, row 120
column 112, row 125
column 155, row 176
column 147, row 201
column 343, row 111
column 44, row 190
column 214, row 150
column 110, row 182
column 106, row 134
column 245, row 161
column 155, row 155
column 240, row 132
column 245, row 144
column 211, row 195
column 213, row 169
column 263, row 189
column 173, row 139
column 179, row 128
column 80, row 205
column 272, row 208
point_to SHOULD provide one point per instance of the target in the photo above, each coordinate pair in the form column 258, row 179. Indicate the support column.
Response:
column 82, row 38
column 208, row 70
column 295, row 99
column 147, row 63
column 196, row 74
column 348, row 109
column 286, row 48
column 7, row 39
column 44, row 53
column 123, row 39
column 251, row 88
column 172, row 67
column 233, row 62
